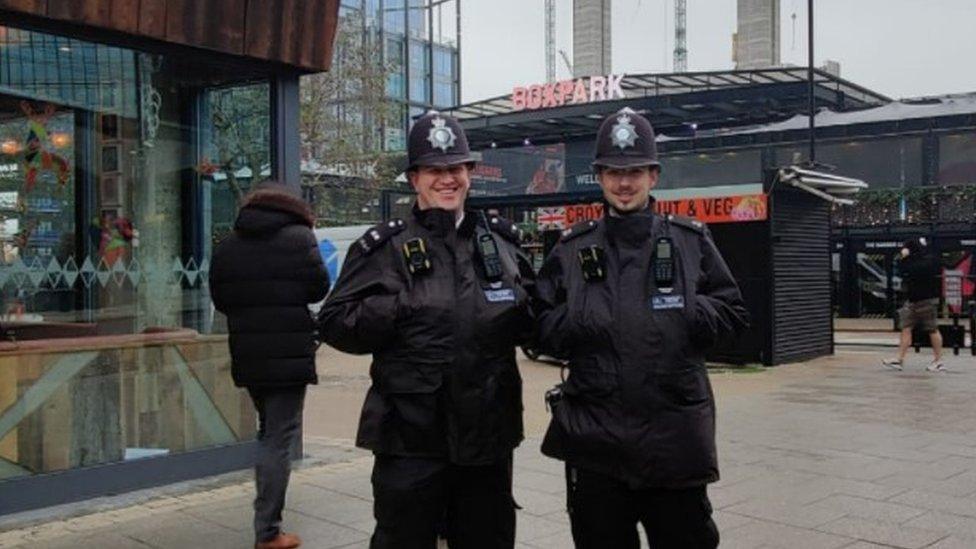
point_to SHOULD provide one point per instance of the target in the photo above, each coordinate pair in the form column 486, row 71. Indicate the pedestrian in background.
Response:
column 263, row 277
column 922, row 276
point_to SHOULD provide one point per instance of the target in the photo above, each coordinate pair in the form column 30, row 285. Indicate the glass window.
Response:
column 445, row 23
column 118, row 170
column 372, row 9
column 396, row 80
column 419, row 72
column 710, row 169
column 417, row 18
column 443, row 95
column 520, row 170
column 394, row 16
column 237, row 141
column 957, row 159
column 879, row 163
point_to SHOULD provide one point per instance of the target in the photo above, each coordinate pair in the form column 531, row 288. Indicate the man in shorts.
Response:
column 921, row 276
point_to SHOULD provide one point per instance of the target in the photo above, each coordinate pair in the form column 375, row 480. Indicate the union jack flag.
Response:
column 551, row 218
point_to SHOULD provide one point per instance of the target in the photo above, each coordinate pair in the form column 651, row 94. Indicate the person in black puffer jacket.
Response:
column 263, row 276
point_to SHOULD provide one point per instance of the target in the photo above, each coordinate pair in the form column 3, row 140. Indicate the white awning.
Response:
column 830, row 187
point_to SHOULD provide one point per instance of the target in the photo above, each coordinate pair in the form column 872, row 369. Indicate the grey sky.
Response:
column 902, row 48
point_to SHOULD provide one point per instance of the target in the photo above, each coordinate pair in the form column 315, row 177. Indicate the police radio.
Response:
column 664, row 264
column 593, row 262
column 415, row 252
column 491, row 260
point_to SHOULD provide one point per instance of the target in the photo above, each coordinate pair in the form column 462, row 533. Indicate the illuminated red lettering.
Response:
column 549, row 96
column 565, row 91
column 579, row 92
column 598, row 86
column 518, row 98
column 535, row 97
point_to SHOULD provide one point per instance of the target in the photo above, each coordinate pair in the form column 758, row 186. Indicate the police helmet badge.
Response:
column 441, row 136
column 623, row 133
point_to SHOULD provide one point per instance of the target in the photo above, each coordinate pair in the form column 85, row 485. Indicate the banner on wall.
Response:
column 722, row 209
column 719, row 209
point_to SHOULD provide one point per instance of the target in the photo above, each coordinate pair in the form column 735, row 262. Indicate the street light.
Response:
column 813, row 147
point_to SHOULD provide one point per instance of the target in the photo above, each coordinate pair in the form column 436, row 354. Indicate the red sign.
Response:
column 583, row 212
column 720, row 209
column 568, row 92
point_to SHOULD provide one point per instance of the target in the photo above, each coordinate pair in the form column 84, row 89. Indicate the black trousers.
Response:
column 604, row 512
column 415, row 498
column 279, row 426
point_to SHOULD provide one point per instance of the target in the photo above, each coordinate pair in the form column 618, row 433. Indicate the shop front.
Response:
column 125, row 147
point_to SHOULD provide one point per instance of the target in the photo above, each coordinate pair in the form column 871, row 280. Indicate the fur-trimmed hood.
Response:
column 267, row 211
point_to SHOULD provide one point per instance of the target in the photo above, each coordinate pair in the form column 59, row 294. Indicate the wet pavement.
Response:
column 836, row 452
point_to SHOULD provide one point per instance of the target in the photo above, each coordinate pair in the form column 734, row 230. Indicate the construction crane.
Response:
column 569, row 64
column 680, row 36
column 550, row 41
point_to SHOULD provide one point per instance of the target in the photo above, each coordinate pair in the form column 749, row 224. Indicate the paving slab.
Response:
column 832, row 453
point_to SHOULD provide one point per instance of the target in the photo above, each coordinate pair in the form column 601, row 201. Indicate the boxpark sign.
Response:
column 721, row 209
column 568, row 92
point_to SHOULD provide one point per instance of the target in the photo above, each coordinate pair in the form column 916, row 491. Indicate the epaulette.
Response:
column 687, row 222
column 507, row 229
column 377, row 235
column 577, row 230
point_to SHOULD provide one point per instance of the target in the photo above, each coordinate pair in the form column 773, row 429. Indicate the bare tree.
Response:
column 345, row 111
column 240, row 136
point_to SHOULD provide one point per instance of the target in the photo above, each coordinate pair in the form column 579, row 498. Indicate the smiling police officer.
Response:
column 441, row 301
column 633, row 301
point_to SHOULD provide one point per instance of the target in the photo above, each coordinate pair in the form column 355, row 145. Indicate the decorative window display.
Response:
column 106, row 225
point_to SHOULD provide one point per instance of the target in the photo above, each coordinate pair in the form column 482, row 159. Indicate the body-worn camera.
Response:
column 593, row 262
column 415, row 252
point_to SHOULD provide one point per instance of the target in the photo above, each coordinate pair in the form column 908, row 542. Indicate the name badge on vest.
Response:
column 500, row 296
column 664, row 302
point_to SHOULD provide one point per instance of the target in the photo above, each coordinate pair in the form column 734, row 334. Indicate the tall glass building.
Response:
column 420, row 40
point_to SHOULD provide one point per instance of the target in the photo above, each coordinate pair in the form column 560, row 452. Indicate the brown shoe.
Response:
column 282, row 541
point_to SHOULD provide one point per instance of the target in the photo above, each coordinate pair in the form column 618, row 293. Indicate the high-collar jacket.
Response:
column 444, row 376
column 637, row 404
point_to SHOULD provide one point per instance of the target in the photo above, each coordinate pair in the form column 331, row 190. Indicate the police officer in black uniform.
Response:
column 633, row 301
column 440, row 300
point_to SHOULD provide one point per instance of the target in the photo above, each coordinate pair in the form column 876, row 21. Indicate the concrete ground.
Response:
column 831, row 453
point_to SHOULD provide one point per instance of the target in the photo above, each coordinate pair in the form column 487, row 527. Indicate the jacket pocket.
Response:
column 408, row 378
column 584, row 425
column 412, row 421
column 588, row 379
column 688, row 387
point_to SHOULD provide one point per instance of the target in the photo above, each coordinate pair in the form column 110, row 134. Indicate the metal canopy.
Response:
column 673, row 103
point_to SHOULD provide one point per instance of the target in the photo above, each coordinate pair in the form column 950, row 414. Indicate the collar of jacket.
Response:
column 631, row 229
column 443, row 222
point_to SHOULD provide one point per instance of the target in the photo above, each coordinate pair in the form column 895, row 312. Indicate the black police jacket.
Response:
column 637, row 404
column 444, row 376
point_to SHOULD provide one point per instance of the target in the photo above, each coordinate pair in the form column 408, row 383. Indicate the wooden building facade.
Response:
column 130, row 130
